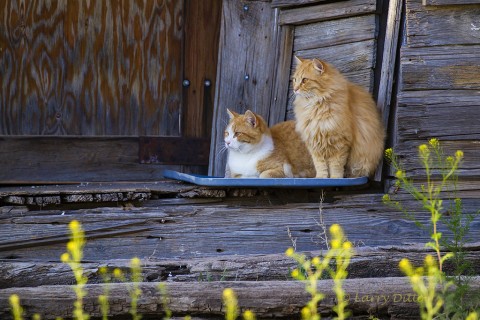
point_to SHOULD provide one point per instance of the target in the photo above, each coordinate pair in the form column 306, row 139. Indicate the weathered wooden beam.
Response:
column 329, row 11
column 240, row 227
column 448, row 2
column 428, row 26
column 440, row 68
column 293, row 3
column 383, row 297
column 367, row 262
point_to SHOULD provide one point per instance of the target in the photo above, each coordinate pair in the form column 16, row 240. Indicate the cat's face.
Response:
column 243, row 132
column 310, row 78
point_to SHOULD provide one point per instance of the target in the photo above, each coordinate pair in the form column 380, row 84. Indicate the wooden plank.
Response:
column 469, row 169
column 389, row 60
column 281, row 93
column 260, row 229
column 202, row 28
column 335, row 32
column 73, row 159
column 366, row 262
column 447, row 115
column 388, row 64
column 386, row 298
column 294, row 3
column 329, row 11
column 246, row 68
column 172, row 150
column 448, row 2
column 440, row 68
column 440, row 26
column 91, row 68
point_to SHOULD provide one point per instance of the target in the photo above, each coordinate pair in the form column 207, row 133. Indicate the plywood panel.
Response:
column 202, row 28
column 90, row 67
column 246, row 67
column 439, row 26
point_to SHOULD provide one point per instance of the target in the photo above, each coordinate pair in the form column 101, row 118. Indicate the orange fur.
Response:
column 338, row 121
column 257, row 151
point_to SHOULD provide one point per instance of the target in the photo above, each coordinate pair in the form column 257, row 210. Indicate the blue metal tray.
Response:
column 268, row 182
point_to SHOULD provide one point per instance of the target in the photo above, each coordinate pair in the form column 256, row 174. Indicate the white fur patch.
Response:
column 287, row 170
column 243, row 158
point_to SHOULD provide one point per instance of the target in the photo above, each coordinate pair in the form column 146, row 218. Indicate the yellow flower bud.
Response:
column 228, row 293
column 135, row 262
column 117, row 273
column 316, row 261
column 74, row 225
column 347, row 245
column 459, row 154
column 248, row 315
column 434, row 142
column 295, row 273
column 406, row 266
column 335, row 229
column 14, row 300
column 290, row 251
column 65, row 257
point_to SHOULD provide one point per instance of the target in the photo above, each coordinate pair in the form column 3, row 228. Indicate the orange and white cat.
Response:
column 256, row 151
column 338, row 121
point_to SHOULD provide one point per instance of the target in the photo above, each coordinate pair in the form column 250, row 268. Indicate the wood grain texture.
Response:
column 202, row 27
column 90, row 68
column 366, row 262
column 469, row 168
column 294, row 3
column 440, row 68
column 246, row 68
column 73, row 159
column 329, row 11
column 448, row 2
column 446, row 115
column 440, row 26
column 280, row 95
column 386, row 298
column 186, row 231
column 335, row 32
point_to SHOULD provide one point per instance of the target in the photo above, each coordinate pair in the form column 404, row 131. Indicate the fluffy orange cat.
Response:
column 255, row 151
column 338, row 121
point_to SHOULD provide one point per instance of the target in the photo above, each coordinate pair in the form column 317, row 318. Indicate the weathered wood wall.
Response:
column 257, row 44
column 439, row 83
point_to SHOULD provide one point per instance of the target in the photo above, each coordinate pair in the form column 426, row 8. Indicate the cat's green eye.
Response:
column 236, row 134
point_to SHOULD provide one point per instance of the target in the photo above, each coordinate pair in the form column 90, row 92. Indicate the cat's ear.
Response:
column 297, row 60
column 318, row 65
column 231, row 114
column 251, row 118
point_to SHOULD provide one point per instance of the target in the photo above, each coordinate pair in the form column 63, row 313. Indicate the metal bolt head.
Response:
column 186, row 83
column 207, row 83
column 247, row 77
column 245, row 8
